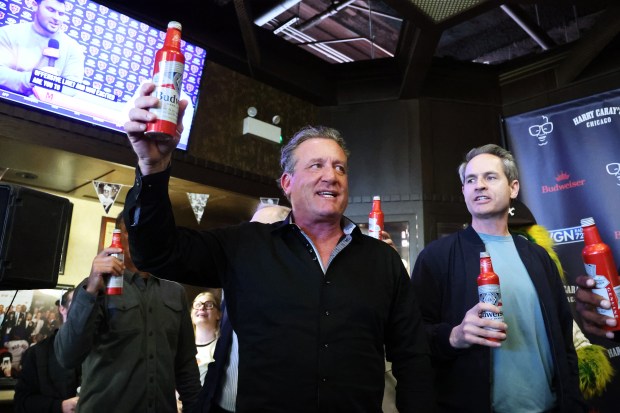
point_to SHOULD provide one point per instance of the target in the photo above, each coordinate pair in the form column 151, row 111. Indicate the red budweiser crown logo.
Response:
column 563, row 176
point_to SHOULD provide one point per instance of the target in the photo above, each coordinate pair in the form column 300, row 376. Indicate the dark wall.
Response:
column 224, row 100
column 451, row 129
column 407, row 151
column 384, row 141
column 539, row 85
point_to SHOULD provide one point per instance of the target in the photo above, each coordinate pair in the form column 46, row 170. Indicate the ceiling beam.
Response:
column 590, row 45
column 275, row 11
column 247, row 32
column 316, row 19
column 524, row 21
column 415, row 58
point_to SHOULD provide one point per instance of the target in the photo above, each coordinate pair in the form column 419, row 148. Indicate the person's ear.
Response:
column 514, row 189
column 285, row 183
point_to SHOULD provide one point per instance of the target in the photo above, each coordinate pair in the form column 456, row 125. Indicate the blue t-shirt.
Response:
column 523, row 365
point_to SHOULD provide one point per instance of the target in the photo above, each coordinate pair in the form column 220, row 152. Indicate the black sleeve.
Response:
column 28, row 396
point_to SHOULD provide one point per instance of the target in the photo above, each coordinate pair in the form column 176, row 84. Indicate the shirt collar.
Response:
column 345, row 223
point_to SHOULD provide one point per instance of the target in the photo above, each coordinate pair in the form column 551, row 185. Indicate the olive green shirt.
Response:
column 136, row 349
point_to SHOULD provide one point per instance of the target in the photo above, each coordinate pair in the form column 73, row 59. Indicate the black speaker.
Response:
column 34, row 228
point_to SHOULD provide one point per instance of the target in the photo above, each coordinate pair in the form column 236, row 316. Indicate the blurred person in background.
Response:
column 206, row 317
column 44, row 386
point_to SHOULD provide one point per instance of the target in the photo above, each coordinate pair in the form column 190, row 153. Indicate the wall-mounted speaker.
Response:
column 34, row 228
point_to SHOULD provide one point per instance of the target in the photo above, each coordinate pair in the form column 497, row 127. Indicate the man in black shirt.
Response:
column 316, row 304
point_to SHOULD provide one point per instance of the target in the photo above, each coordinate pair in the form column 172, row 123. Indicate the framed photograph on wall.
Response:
column 105, row 235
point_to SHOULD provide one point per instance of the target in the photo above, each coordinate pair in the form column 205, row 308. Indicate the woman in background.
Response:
column 206, row 320
column 206, row 317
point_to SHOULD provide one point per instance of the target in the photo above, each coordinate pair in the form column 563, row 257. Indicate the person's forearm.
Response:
column 15, row 80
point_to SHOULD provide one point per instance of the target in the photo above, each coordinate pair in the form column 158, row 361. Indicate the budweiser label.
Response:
column 168, row 90
column 604, row 288
column 374, row 229
column 490, row 293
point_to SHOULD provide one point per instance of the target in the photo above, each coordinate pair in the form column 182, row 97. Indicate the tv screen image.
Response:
column 88, row 65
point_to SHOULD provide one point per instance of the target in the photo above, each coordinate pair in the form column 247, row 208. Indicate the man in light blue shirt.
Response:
column 525, row 364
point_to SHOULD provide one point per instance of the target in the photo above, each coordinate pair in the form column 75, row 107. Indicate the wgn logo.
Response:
column 566, row 235
column 541, row 131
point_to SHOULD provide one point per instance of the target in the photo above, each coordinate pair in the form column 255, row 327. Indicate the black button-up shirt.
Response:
column 309, row 341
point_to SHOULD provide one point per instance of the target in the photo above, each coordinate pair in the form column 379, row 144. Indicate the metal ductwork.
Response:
column 275, row 12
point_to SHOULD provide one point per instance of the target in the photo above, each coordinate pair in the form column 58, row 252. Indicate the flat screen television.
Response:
column 118, row 55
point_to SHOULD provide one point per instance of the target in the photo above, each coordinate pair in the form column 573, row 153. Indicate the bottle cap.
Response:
column 484, row 254
column 174, row 25
column 116, row 231
column 586, row 222
column 376, row 198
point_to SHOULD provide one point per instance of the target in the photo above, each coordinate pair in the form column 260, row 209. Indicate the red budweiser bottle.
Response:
column 114, row 283
column 168, row 78
column 375, row 218
column 488, row 290
column 600, row 266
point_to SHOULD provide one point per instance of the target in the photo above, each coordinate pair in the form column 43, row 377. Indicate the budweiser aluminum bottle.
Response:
column 375, row 218
column 600, row 266
column 488, row 290
column 168, row 78
column 114, row 283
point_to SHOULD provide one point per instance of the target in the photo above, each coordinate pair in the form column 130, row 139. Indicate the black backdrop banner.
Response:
column 569, row 164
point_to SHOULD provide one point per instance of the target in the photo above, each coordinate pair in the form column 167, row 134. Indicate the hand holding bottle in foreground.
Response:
column 598, row 292
column 587, row 303
column 104, row 264
column 153, row 155
column 477, row 330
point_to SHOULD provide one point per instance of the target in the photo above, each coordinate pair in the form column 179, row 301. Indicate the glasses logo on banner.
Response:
column 614, row 169
column 541, row 131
